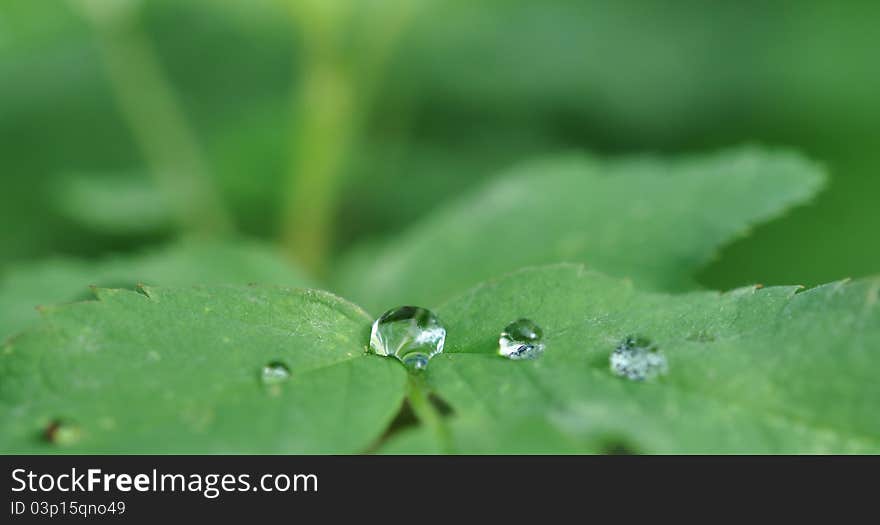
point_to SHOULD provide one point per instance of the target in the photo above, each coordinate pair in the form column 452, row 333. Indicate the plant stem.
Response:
column 325, row 127
column 149, row 106
column 335, row 96
column 427, row 413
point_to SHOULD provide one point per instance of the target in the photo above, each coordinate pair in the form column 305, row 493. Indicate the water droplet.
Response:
column 62, row 433
column 637, row 359
column 411, row 334
column 274, row 373
column 521, row 340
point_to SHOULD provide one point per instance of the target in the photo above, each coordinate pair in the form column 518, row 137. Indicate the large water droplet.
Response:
column 521, row 340
column 274, row 373
column 637, row 359
column 411, row 334
column 62, row 433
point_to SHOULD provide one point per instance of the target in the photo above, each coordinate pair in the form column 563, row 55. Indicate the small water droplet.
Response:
column 521, row 339
column 62, row 433
column 411, row 334
column 274, row 373
column 638, row 359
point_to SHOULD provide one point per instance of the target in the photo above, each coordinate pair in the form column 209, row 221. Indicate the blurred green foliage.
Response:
column 467, row 88
column 653, row 222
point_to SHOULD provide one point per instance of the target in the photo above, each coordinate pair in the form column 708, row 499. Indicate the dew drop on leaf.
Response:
column 521, row 339
column 638, row 359
column 274, row 373
column 411, row 334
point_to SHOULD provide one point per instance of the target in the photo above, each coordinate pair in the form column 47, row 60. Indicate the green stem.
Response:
column 326, row 124
column 149, row 106
column 335, row 96
column 427, row 413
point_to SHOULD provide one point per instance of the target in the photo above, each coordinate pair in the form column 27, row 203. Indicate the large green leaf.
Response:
column 26, row 286
column 179, row 370
column 754, row 370
column 650, row 220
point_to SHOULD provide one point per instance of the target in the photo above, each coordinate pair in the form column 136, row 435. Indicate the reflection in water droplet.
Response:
column 411, row 334
column 637, row 359
column 274, row 373
column 521, row 340
column 62, row 433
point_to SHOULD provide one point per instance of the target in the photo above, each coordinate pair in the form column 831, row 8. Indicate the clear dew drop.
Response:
column 638, row 359
column 521, row 339
column 411, row 334
column 274, row 373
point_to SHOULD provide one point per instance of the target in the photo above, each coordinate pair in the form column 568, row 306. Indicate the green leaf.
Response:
column 27, row 286
column 179, row 371
column 650, row 220
column 750, row 371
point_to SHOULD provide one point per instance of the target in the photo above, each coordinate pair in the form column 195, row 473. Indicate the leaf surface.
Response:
column 28, row 285
column 750, row 371
column 755, row 370
column 179, row 371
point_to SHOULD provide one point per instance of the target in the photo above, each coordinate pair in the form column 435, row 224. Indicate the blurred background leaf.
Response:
column 654, row 222
column 128, row 204
column 470, row 88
